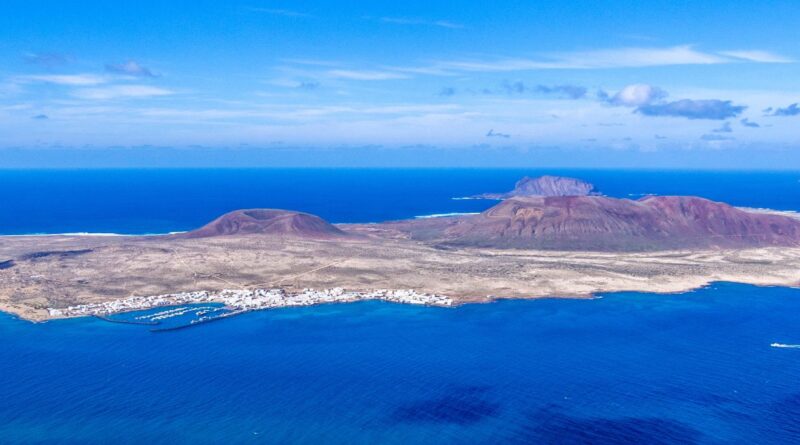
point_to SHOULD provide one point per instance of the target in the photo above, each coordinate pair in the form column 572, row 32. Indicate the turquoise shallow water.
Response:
column 628, row 368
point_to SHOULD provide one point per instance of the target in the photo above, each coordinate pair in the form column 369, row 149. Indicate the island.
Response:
column 543, row 186
column 565, row 240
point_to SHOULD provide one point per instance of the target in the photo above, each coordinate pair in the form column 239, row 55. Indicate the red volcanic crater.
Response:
column 267, row 222
column 609, row 224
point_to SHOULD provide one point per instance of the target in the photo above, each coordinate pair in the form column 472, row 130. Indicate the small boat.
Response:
column 784, row 346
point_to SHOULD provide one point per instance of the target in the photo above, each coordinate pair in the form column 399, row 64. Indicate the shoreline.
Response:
column 248, row 300
column 92, row 234
column 36, row 316
column 795, row 214
column 56, row 271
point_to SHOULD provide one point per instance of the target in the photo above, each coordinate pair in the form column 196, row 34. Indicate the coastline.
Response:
column 795, row 214
column 788, row 213
column 92, row 234
column 120, row 267
column 445, row 215
column 250, row 299
column 34, row 315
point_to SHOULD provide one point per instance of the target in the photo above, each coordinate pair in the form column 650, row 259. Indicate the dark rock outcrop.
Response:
column 609, row 224
column 61, row 254
column 544, row 186
column 267, row 222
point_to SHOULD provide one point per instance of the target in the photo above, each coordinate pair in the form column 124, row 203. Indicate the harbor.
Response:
column 231, row 302
column 113, row 320
column 199, row 321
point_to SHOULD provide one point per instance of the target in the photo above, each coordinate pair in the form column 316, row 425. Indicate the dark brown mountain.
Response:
column 544, row 186
column 267, row 222
column 608, row 224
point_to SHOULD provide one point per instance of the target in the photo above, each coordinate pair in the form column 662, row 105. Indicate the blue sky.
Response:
column 514, row 77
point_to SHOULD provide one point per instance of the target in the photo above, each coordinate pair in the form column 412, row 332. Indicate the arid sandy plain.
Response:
column 57, row 271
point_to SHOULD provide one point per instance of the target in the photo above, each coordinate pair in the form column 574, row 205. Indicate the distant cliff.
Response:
column 267, row 222
column 608, row 224
column 544, row 186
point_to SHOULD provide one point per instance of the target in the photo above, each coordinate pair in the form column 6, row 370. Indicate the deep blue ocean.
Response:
column 160, row 201
column 627, row 368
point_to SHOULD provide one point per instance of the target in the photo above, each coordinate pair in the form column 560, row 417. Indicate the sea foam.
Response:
column 444, row 215
column 91, row 234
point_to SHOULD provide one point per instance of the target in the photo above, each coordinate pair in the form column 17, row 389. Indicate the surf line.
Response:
column 784, row 346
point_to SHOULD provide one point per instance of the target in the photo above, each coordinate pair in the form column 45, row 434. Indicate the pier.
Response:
column 199, row 321
column 111, row 320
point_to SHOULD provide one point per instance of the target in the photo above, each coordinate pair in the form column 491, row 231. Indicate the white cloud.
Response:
column 283, row 113
column 121, row 92
column 66, row 79
column 312, row 62
column 757, row 56
column 640, row 57
column 9, row 89
column 365, row 75
column 613, row 58
column 630, row 57
column 280, row 12
column 407, row 21
column 130, row 68
column 636, row 95
column 604, row 58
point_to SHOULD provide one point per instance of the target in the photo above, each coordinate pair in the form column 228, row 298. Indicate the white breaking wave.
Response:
column 444, row 215
column 785, row 346
column 93, row 234
column 790, row 213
